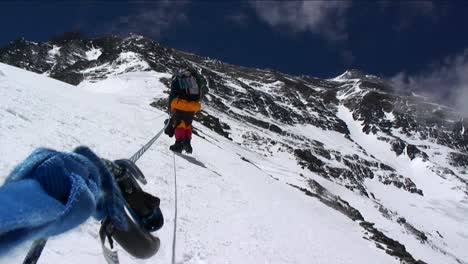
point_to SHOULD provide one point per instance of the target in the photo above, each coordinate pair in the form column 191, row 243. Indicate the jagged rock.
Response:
column 458, row 159
column 412, row 151
column 213, row 123
column 393, row 247
column 321, row 151
column 386, row 167
column 402, row 182
column 309, row 160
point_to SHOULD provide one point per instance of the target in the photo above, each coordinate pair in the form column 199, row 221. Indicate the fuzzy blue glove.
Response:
column 52, row 192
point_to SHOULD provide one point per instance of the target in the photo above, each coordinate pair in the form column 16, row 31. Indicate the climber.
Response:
column 187, row 89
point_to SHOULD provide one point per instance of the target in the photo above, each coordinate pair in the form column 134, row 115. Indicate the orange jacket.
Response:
column 185, row 105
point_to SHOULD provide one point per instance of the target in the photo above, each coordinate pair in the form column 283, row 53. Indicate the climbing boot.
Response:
column 187, row 145
column 177, row 147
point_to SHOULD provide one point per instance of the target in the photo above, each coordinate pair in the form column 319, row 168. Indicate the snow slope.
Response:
column 442, row 209
column 230, row 211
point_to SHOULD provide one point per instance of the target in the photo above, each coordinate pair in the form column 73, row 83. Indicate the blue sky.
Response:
column 415, row 43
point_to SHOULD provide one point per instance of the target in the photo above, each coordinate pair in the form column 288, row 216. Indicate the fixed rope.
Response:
column 35, row 251
column 143, row 149
column 175, row 213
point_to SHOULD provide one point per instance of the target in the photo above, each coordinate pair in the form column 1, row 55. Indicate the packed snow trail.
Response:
column 229, row 210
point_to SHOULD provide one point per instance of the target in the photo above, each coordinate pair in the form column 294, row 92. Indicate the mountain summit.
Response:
column 392, row 163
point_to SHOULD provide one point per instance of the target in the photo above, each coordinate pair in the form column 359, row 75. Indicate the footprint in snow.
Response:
column 191, row 259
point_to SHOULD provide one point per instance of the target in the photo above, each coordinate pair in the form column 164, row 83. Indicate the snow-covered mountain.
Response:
column 286, row 169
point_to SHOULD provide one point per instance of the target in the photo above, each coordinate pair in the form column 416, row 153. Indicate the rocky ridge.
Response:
column 284, row 115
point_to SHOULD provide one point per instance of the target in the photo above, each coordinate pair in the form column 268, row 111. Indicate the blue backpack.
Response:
column 191, row 86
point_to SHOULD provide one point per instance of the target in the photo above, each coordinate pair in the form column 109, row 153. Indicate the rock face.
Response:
column 353, row 130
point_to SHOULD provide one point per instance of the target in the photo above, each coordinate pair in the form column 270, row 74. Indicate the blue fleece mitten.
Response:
column 52, row 192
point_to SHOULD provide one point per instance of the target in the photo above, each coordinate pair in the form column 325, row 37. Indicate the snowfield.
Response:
column 230, row 211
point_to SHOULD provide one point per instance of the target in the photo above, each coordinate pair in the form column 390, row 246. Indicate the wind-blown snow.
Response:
column 126, row 62
column 390, row 116
column 52, row 56
column 93, row 54
column 54, row 51
column 230, row 211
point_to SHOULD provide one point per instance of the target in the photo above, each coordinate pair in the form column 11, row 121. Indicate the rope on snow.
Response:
column 143, row 149
column 175, row 213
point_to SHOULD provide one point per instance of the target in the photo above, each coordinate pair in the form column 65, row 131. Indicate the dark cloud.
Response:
column 422, row 7
column 409, row 12
column 238, row 18
column 153, row 20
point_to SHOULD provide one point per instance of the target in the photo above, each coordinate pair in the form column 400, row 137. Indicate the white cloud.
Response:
column 450, row 77
column 153, row 20
column 323, row 17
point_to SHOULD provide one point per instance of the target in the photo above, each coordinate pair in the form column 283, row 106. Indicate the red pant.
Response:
column 183, row 124
column 181, row 133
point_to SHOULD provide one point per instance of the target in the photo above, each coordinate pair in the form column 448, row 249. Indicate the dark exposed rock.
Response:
column 72, row 78
column 398, row 147
column 161, row 104
column 402, row 182
column 361, row 171
column 458, row 159
column 321, row 151
column 393, row 247
column 356, row 171
column 26, row 55
column 329, row 97
column 275, row 128
column 420, row 235
column 166, row 81
column 371, row 110
column 307, row 159
column 412, row 151
column 335, row 202
column 386, row 167
column 213, row 123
